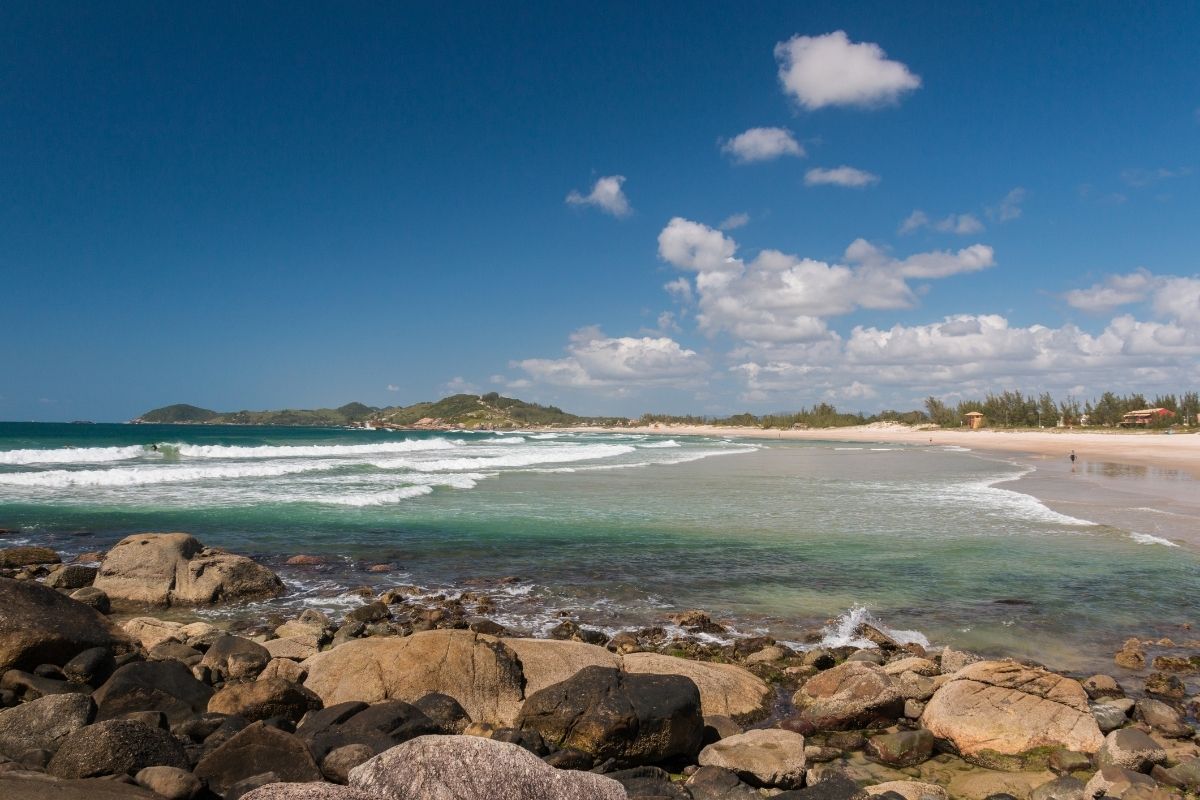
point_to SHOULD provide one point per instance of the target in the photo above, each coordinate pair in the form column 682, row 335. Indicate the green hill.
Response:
column 459, row 411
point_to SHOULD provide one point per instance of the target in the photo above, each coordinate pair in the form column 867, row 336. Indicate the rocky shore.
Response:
column 403, row 700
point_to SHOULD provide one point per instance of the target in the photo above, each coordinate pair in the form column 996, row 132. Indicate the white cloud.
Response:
column 1009, row 207
column 1114, row 291
column 391, row 387
column 762, row 144
column 606, row 195
column 840, row 176
column 734, row 221
column 777, row 297
column 459, row 385
column 962, row 224
column 1140, row 178
column 680, row 289
column 597, row 361
column 830, row 70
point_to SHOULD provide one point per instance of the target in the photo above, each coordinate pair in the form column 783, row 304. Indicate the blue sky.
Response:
column 268, row 205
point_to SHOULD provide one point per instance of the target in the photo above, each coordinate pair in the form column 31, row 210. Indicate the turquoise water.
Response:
column 617, row 530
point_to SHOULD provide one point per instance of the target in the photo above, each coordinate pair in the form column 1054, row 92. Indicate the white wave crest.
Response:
column 523, row 458
column 71, row 455
column 309, row 451
column 1146, row 538
column 656, row 445
column 374, row 498
column 843, row 632
column 145, row 476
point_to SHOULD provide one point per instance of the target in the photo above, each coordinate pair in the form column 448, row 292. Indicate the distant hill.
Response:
column 457, row 411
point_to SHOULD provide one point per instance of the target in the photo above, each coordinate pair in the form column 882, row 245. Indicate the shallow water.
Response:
column 619, row 530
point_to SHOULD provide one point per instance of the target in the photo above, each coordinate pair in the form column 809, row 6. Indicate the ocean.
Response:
column 799, row 540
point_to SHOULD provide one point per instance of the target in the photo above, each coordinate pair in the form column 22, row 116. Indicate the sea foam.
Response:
column 71, row 455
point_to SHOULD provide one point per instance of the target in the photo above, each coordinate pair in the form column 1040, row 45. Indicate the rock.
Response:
column 42, row 626
column 633, row 718
column 284, row 669
column 165, row 569
column 29, row 686
column 478, row 671
column 1109, row 717
column 302, row 560
column 544, row 663
column 296, row 648
column 695, row 622
column 247, row 785
column 835, row 787
column 868, row 657
column 1131, row 655
column 903, row 749
column 472, row 768
column 853, row 694
column 44, row 723
column 1164, row 685
column 1131, row 749
column 445, row 712
column 115, row 747
column 1163, row 718
column 12, row 557
column 165, row 686
column 715, row 783
column 235, row 658
column 769, row 758
column 306, row 791
column 1115, row 782
column 909, row 790
column 1064, row 788
column 381, row 726
column 38, row 786
column 254, row 750
column 649, row 782
column 93, row 598
column 169, row 782
column 913, row 709
column 150, row 632
column 264, row 699
column 371, row 612
column 91, row 667
column 725, row 689
column 768, row 655
column 1099, row 687
column 995, row 712
column 953, row 660
column 1184, row 775
column 1188, row 665
column 337, row 763
column 1064, row 762
column 71, row 576
column 919, row 666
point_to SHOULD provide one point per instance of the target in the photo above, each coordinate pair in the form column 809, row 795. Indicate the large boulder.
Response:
column 545, row 662
column 235, row 658
column 42, row 626
column 44, row 723
column 166, row 686
column 115, row 747
column 995, row 713
column 307, row 791
column 254, row 750
column 265, row 699
column 726, row 690
column 636, row 719
column 772, row 758
column 164, row 569
column 854, row 694
column 42, row 787
column 378, row 727
column 12, row 557
column 478, row 671
column 1132, row 749
column 474, row 768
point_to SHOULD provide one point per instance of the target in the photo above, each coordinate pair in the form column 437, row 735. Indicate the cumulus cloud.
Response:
column 962, row 224
column 1114, row 291
column 595, row 360
column 734, row 221
column 830, row 70
column 606, row 195
column 850, row 177
column 778, row 297
column 459, row 385
column 762, row 144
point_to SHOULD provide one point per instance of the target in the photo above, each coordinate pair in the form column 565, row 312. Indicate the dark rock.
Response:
column 649, row 782
column 322, row 721
column 1064, row 788
column 635, row 718
column 1184, row 775
column 372, row 612
column 263, row 699
column 1100, row 687
column 570, row 759
column 28, row 686
column 12, row 557
column 42, row 626
column 837, row 787
column 1065, row 762
column 248, row 785
column 92, row 667
column 44, row 723
column 93, row 598
column 486, row 626
column 253, row 751
column 165, row 686
column 43, row 787
column 71, row 576
column 1130, row 749
column 445, row 711
column 175, row 651
column 49, row 671
column 115, row 747
column 903, row 749
column 715, row 783
column 526, row 739
column 198, row 728
column 235, row 658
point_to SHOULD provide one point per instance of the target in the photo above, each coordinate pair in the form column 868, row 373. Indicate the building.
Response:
column 974, row 420
column 1145, row 417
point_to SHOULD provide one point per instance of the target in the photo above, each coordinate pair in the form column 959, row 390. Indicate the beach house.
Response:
column 973, row 420
column 1145, row 417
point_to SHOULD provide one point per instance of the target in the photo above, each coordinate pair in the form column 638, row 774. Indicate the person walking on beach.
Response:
column 1072, row 456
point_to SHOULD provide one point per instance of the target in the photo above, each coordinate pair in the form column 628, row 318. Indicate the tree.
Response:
column 941, row 414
